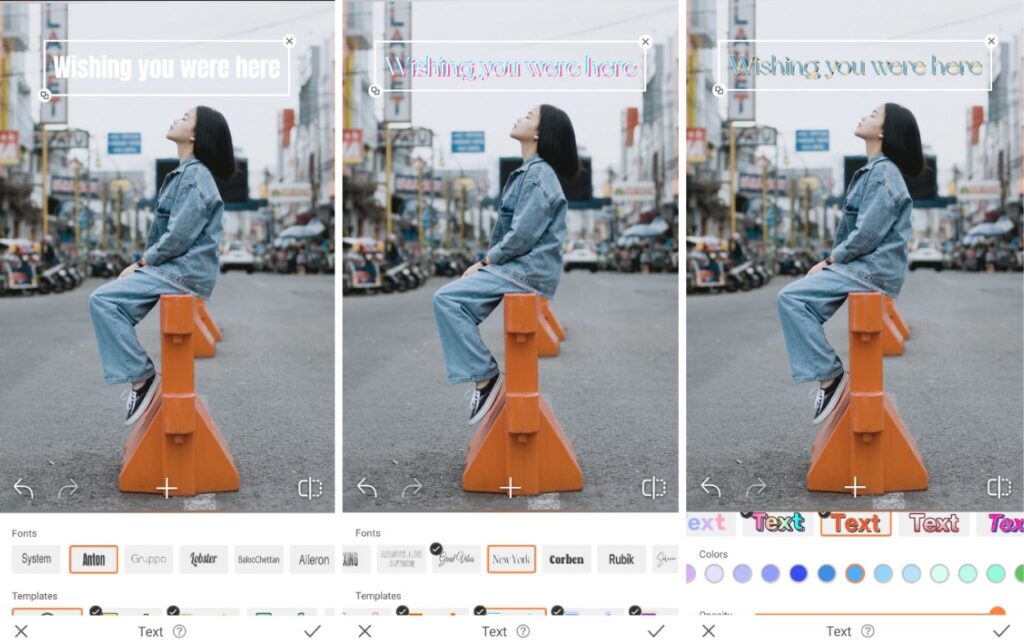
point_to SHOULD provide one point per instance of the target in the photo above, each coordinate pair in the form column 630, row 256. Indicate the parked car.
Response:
column 237, row 256
column 581, row 255
column 927, row 253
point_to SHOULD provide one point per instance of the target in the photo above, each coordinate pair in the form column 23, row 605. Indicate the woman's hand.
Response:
column 129, row 270
column 818, row 267
column 473, row 268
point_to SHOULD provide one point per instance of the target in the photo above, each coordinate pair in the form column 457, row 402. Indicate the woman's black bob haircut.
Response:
column 556, row 142
column 213, row 146
column 901, row 140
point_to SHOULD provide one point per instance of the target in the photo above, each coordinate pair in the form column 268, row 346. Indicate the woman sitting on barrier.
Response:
column 525, row 253
column 869, row 252
column 181, row 255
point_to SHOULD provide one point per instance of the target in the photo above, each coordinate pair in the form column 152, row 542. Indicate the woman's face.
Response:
column 183, row 129
column 526, row 128
column 870, row 127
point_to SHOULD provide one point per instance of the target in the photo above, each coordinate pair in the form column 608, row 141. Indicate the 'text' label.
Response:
column 706, row 522
column 839, row 523
column 925, row 523
column 764, row 522
column 1002, row 523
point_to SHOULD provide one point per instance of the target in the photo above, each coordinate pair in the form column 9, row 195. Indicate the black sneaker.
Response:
column 139, row 400
column 481, row 400
column 826, row 399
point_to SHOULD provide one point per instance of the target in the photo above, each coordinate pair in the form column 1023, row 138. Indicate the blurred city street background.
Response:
column 79, row 178
column 766, row 176
column 423, row 172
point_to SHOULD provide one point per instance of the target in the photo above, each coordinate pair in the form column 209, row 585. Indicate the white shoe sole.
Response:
column 830, row 407
column 146, row 400
column 490, row 400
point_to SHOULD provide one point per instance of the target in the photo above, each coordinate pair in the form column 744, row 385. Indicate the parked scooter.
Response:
column 76, row 275
column 64, row 275
column 762, row 272
column 314, row 261
column 100, row 266
column 658, row 261
column 1005, row 258
column 418, row 273
column 739, row 278
column 444, row 264
column 410, row 278
column 755, row 276
column 50, row 281
column 794, row 262
column 393, row 280
column 748, row 269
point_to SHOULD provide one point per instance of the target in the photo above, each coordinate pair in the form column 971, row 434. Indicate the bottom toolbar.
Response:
column 809, row 626
column 357, row 628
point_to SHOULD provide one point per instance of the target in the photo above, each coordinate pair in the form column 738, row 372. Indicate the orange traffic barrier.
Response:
column 176, row 447
column 204, row 343
column 547, row 339
column 897, row 319
column 549, row 315
column 519, row 447
column 207, row 319
column 864, row 443
column 892, row 339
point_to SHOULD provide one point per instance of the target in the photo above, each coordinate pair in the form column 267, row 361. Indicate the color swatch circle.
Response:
column 691, row 573
column 996, row 573
column 855, row 573
column 714, row 573
column 1019, row 573
column 883, row 573
column 826, row 573
column 798, row 573
column 742, row 573
column 940, row 573
column 968, row 573
column 911, row 573
column 770, row 573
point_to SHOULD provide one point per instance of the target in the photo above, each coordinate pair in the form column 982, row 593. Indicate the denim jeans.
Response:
column 459, row 308
column 116, row 308
column 804, row 306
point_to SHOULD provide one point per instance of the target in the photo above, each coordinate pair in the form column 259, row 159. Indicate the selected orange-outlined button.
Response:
column 511, row 558
column 93, row 559
column 842, row 524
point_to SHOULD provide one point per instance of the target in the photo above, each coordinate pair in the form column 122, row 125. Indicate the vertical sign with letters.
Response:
column 397, row 79
column 742, row 17
column 54, row 29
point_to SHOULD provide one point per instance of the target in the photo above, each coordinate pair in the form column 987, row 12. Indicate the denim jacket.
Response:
column 871, row 240
column 526, row 242
column 183, row 246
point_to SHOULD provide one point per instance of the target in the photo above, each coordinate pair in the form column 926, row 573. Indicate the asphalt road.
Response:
column 613, row 389
column 957, row 388
column 270, row 390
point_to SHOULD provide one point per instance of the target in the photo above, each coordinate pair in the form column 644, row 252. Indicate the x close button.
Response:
column 364, row 632
column 709, row 632
column 20, row 632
